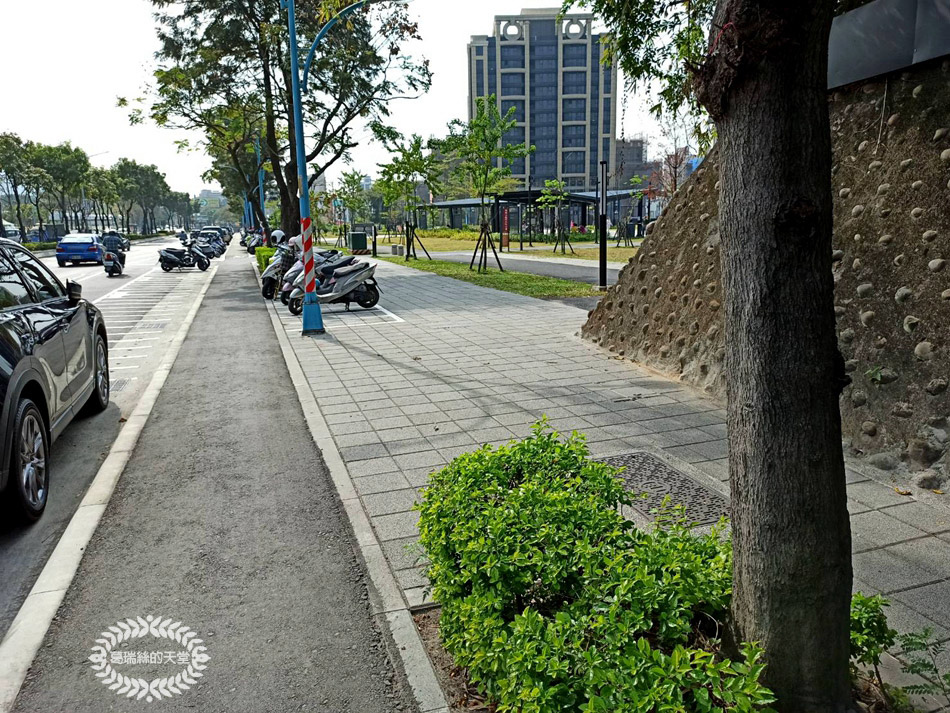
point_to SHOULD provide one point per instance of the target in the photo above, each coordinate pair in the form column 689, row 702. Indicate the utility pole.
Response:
column 602, row 225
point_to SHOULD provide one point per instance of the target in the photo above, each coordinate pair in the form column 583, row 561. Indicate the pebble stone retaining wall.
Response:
column 891, row 178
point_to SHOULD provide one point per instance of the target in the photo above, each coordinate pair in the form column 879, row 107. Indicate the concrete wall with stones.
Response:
column 891, row 265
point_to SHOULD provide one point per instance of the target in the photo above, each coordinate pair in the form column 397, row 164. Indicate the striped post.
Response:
column 312, row 317
column 310, row 280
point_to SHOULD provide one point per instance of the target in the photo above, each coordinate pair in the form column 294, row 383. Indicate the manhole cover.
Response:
column 645, row 473
column 118, row 385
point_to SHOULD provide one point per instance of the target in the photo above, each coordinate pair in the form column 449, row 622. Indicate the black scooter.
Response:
column 173, row 258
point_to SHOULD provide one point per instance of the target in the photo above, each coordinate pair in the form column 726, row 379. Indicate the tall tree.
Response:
column 762, row 76
column 13, row 163
column 218, row 54
column 67, row 167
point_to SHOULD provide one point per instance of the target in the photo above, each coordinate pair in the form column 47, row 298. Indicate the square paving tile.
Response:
column 374, row 466
column 379, row 483
column 404, row 553
column 396, row 526
column 391, row 501
column 888, row 570
column 422, row 459
column 364, row 452
column 409, row 445
column 875, row 529
column 875, row 494
column 921, row 516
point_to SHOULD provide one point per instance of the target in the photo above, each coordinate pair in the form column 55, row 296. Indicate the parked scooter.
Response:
column 253, row 243
column 175, row 258
column 322, row 260
column 271, row 277
column 353, row 283
column 112, row 264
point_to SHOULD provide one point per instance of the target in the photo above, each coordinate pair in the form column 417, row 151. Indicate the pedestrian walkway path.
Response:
column 565, row 268
column 467, row 365
column 225, row 522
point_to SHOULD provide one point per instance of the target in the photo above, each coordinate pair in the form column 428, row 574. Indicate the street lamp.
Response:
column 312, row 317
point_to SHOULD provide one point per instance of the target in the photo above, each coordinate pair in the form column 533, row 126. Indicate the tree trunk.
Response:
column 766, row 87
column 19, row 209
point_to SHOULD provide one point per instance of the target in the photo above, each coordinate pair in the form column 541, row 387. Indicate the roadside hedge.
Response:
column 263, row 256
column 554, row 602
column 39, row 246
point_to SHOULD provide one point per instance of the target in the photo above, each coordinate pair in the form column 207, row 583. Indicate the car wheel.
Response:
column 75, row 262
column 28, row 486
column 61, row 263
column 99, row 398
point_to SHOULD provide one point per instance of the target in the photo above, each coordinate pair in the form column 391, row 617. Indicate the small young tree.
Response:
column 482, row 156
column 480, row 149
column 352, row 194
column 414, row 163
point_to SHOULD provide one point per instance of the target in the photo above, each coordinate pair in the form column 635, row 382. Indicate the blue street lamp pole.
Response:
column 312, row 317
column 260, row 172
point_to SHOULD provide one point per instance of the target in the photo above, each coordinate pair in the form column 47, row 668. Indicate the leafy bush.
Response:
column 263, row 256
column 40, row 246
column 554, row 602
column 871, row 637
column 920, row 651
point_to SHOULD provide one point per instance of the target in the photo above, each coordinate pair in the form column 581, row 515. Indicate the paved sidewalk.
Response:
column 225, row 520
column 450, row 366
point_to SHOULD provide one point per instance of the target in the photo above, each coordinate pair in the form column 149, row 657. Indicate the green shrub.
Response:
column 554, row 602
column 921, row 652
column 871, row 637
column 263, row 256
column 40, row 246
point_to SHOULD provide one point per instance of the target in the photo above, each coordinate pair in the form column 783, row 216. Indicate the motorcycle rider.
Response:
column 113, row 244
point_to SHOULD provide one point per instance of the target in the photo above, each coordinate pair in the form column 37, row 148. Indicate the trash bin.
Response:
column 357, row 241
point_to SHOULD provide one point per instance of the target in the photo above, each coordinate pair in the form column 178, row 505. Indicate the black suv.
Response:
column 54, row 363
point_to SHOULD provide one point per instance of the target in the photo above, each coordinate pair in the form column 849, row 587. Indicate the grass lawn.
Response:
column 520, row 283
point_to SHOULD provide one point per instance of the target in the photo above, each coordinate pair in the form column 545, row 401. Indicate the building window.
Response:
column 606, row 156
column 512, row 57
column 607, row 115
column 575, row 110
column 574, row 136
column 517, row 105
column 480, row 76
column 479, row 51
column 608, row 74
column 575, row 55
column 512, row 84
column 573, row 162
column 574, row 83
column 517, row 166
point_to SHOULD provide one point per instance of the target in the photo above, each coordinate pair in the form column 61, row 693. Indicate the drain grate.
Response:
column 119, row 384
column 645, row 473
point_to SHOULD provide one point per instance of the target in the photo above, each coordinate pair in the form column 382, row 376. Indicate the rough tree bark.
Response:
column 765, row 84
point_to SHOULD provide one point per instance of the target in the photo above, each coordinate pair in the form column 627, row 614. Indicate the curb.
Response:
column 28, row 629
column 386, row 600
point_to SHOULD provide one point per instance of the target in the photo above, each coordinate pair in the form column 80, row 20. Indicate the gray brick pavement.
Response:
column 454, row 366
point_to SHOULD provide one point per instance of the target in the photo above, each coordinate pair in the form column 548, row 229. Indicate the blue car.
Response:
column 79, row 247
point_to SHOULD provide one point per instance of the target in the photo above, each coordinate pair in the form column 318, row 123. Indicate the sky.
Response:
column 63, row 63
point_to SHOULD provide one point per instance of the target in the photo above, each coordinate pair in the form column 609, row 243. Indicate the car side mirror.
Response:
column 74, row 290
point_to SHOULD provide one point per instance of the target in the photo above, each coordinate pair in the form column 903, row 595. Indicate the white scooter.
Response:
column 353, row 283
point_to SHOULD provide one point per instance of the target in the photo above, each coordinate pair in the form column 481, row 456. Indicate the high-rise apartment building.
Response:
column 549, row 69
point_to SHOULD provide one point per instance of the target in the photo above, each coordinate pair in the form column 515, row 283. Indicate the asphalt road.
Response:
column 226, row 520
column 142, row 311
